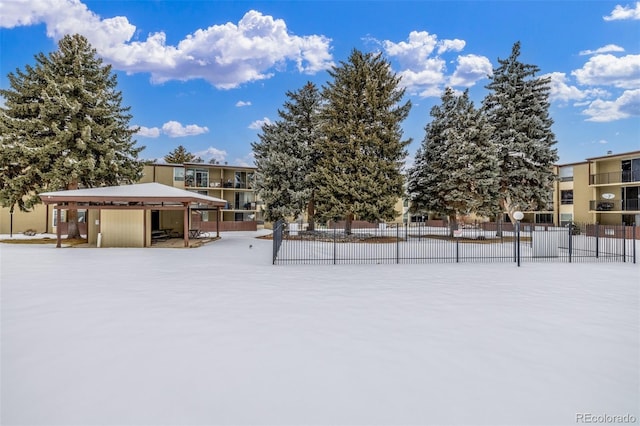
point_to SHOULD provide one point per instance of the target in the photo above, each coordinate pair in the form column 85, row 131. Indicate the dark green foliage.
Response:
column 286, row 157
column 180, row 155
column 518, row 109
column 455, row 171
column 360, row 158
column 63, row 126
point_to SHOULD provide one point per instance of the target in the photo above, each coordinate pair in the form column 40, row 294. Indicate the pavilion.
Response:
column 120, row 216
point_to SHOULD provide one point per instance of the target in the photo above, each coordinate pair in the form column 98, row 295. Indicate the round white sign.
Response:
column 608, row 196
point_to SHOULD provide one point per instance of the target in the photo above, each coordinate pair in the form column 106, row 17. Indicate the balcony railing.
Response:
column 613, row 205
column 615, row 177
column 227, row 184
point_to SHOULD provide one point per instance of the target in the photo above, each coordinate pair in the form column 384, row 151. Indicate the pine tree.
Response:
column 455, row 171
column 286, row 156
column 361, row 154
column 180, row 155
column 517, row 106
column 63, row 126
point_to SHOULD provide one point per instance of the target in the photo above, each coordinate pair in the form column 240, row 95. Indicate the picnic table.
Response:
column 161, row 234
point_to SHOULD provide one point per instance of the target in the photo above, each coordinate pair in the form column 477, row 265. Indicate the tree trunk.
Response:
column 453, row 224
column 311, row 211
column 72, row 217
column 509, row 208
column 347, row 223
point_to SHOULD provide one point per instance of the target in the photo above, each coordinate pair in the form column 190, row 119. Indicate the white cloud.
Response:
column 604, row 49
column 455, row 45
column 415, row 51
column 212, row 153
column 240, row 104
column 560, row 90
column 624, row 12
column 623, row 72
column 423, row 70
column 148, row 132
column 174, row 129
column 470, row 69
column 257, row 125
column 225, row 55
column 627, row 105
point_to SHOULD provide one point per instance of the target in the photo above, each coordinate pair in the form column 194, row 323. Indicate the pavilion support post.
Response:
column 218, row 222
column 58, row 227
column 99, row 236
column 144, row 227
column 186, row 224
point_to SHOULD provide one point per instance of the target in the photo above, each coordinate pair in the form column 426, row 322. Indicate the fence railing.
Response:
column 489, row 242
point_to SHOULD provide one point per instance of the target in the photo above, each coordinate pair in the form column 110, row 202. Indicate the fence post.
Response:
column 275, row 238
column 334, row 245
column 518, row 241
column 397, row 244
column 570, row 239
column 624, row 242
column 597, row 240
column 634, row 241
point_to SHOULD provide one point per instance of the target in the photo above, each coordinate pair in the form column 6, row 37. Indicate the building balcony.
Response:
column 613, row 178
column 614, row 206
column 226, row 184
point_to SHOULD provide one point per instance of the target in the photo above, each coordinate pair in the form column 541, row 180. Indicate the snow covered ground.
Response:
column 217, row 335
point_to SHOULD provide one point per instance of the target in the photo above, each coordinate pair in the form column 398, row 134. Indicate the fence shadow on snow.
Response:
column 482, row 242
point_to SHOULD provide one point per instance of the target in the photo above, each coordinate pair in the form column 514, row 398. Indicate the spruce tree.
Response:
column 63, row 126
column 180, row 155
column 361, row 155
column 286, row 156
column 517, row 107
column 455, row 171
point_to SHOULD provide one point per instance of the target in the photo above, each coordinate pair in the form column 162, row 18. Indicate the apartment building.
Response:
column 614, row 184
column 234, row 184
column 602, row 190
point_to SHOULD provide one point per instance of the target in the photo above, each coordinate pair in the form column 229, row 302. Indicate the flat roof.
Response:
column 203, row 165
column 623, row 154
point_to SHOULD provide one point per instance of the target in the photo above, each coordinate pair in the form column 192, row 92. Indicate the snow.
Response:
column 218, row 335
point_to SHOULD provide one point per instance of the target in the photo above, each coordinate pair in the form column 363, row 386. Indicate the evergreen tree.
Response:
column 360, row 158
column 63, row 126
column 455, row 171
column 180, row 155
column 517, row 106
column 286, row 156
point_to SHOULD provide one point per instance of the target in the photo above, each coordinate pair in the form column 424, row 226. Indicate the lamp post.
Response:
column 518, row 217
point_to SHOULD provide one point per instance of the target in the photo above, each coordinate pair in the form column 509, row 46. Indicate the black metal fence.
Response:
column 485, row 242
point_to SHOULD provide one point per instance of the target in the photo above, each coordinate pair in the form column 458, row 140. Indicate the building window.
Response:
column 566, row 219
column 566, row 174
column 544, row 218
column 631, row 198
column 631, row 170
column 178, row 174
column 197, row 177
column 566, row 196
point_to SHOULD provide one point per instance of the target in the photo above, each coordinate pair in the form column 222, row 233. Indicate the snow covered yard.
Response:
column 217, row 335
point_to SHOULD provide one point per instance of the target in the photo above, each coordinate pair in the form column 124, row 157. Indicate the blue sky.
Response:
column 207, row 74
